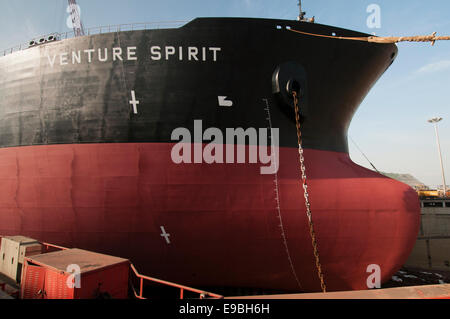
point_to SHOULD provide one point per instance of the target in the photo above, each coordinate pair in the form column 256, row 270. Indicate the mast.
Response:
column 301, row 16
column 78, row 28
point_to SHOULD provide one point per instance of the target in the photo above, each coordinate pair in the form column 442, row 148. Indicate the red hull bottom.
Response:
column 223, row 219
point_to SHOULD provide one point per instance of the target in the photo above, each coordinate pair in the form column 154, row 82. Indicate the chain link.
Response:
column 305, row 193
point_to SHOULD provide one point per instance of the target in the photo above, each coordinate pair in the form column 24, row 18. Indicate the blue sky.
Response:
column 391, row 124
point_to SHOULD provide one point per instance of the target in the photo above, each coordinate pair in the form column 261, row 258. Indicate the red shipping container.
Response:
column 52, row 276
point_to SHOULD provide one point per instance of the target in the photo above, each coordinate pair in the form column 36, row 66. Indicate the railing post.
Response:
column 181, row 293
column 141, row 287
column 91, row 31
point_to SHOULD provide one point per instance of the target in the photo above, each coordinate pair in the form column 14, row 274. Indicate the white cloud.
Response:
column 435, row 67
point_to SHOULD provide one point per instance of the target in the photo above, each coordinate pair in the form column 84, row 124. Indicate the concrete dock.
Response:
column 416, row 292
column 432, row 248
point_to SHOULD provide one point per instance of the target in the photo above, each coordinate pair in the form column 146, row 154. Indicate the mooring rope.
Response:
column 426, row 38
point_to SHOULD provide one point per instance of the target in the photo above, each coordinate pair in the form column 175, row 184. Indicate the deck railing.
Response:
column 49, row 246
column 99, row 30
column 202, row 294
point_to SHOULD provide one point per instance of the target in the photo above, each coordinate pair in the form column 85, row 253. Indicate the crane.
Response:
column 78, row 28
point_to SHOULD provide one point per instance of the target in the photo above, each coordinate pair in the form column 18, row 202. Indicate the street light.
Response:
column 434, row 121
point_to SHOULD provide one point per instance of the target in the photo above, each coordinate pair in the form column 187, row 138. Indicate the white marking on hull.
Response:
column 134, row 102
column 165, row 235
column 224, row 102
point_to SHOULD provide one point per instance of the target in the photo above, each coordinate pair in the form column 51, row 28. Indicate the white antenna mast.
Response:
column 78, row 28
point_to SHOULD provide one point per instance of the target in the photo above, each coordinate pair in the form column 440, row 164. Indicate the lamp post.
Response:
column 434, row 121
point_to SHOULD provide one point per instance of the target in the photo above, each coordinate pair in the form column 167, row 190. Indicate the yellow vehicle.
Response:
column 431, row 193
column 428, row 193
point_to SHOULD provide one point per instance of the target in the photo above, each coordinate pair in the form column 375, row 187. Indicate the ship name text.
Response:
column 155, row 53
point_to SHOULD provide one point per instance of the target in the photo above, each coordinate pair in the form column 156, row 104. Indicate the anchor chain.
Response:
column 305, row 190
